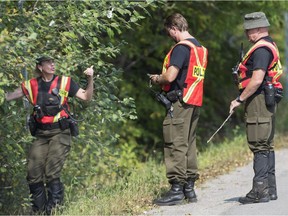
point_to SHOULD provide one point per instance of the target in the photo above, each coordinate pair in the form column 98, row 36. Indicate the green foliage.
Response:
column 123, row 47
column 77, row 34
column 218, row 25
column 234, row 149
column 282, row 117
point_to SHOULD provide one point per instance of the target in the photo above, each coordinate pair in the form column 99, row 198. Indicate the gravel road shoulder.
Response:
column 220, row 196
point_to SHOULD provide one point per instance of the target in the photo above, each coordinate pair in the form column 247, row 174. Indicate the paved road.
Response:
column 220, row 195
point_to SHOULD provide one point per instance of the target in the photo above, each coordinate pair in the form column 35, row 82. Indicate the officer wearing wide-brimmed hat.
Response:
column 255, row 20
column 260, row 90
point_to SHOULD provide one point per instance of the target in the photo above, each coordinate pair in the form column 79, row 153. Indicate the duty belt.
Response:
column 174, row 95
column 48, row 126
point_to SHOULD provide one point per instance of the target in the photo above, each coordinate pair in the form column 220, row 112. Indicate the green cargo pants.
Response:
column 260, row 124
column 180, row 153
column 47, row 155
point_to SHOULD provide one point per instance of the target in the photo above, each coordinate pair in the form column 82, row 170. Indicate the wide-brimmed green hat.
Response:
column 255, row 20
column 43, row 58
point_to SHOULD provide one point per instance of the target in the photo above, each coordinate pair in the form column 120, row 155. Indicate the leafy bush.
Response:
column 78, row 35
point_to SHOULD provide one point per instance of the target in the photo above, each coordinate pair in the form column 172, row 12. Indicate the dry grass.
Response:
column 134, row 194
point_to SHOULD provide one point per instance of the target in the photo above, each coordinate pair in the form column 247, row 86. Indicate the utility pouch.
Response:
column 52, row 105
column 32, row 125
column 51, row 110
column 174, row 95
column 63, row 123
column 164, row 101
column 38, row 111
column 74, row 130
column 278, row 95
column 269, row 94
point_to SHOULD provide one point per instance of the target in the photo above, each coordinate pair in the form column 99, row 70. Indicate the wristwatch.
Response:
column 238, row 99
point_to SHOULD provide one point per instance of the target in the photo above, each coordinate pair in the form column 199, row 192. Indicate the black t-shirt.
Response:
column 49, row 103
column 261, row 58
column 45, row 86
column 180, row 57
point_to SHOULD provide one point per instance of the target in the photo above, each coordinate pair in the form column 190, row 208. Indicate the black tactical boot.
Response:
column 189, row 191
column 260, row 190
column 258, row 194
column 55, row 195
column 173, row 197
column 271, row 177
column 38, row 197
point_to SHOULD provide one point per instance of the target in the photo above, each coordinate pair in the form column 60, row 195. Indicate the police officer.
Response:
column 182, row 79
column 259, row 74
column 50, row 124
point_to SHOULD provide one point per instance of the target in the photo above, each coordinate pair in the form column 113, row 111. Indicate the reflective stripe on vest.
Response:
column 193, row 89
column 30, row 89
column 274, row 69
column 63, row 93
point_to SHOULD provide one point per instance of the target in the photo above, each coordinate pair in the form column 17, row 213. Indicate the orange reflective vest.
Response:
column 193, row 88
column 274, row 69
column 31, row 88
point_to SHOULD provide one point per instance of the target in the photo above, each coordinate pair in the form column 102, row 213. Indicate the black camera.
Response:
column 164, row 101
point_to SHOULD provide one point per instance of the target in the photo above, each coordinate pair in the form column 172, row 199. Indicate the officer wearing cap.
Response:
column 51, row 124
column 43, row 59
column 260, row 89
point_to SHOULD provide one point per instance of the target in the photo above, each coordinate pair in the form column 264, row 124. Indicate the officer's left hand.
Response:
column 89, row 71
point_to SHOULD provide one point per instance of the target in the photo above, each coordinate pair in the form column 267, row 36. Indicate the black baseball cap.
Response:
column 43, row 58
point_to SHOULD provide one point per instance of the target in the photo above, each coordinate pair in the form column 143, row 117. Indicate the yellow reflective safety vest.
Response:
column 274, row 69
column 30, row 89
column 193, row 84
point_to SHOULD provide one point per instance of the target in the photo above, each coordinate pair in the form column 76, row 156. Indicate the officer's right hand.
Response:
column 233, row 105
column 154, row 78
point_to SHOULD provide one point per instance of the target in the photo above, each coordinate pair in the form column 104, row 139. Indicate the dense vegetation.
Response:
column 124, row 40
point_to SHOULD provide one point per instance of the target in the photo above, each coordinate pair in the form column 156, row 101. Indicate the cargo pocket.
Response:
column 167, row 131
column 258, row 129
column 172, row 130
column 178, row 130
column 65, row 138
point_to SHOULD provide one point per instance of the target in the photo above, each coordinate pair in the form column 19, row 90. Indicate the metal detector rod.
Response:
column 220, row 126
